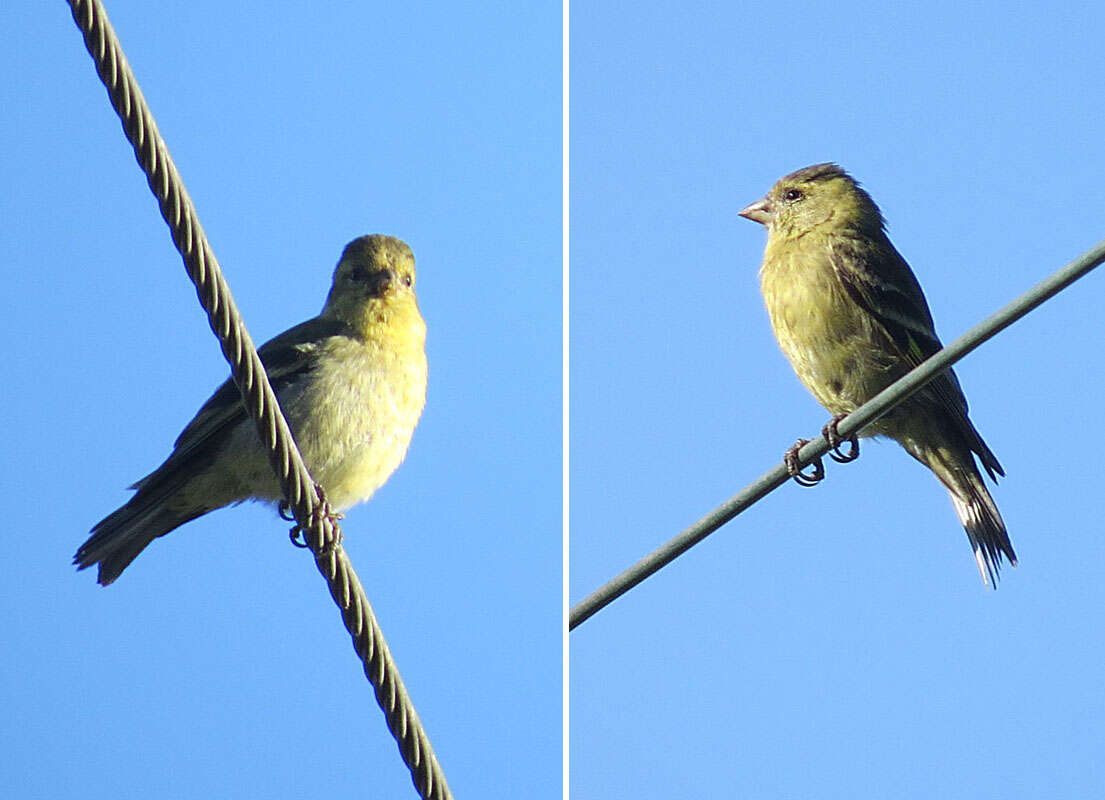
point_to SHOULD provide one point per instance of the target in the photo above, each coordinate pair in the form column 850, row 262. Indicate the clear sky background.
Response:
column 833, row 642
column 218, row 665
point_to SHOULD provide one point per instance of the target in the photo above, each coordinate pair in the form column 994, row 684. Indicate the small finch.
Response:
column 849, row 314
column 351, row 383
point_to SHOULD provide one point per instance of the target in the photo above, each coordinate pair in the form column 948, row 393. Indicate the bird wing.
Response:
column 894, row 299
column 287, row 358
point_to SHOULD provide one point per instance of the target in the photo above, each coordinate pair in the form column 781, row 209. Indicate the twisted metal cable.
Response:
column 867, row 413
column 319, row 529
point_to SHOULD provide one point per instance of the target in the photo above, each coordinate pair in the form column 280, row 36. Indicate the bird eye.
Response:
column 408, row 280
column 792, row 195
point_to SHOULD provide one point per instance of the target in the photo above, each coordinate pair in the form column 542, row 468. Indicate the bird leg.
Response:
column 790, row 458
column 294, row 535
column 321, row 510
column 834, row 440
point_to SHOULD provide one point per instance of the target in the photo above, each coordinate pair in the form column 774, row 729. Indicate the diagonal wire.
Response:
column 320, row 530
column 870, row 411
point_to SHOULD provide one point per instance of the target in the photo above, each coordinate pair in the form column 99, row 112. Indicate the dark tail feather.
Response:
column 118, row 538
column 985, row 528
column 948, row 453
column 985, row 455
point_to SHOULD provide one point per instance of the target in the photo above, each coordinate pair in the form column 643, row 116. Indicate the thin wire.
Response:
column 319, row 529
column 870, row 411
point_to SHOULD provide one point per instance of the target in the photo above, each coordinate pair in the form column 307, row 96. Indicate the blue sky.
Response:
column 833, row 642
column 217, row 665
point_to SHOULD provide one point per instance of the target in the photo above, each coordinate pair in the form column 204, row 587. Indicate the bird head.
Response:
column 374, row 284
column 821, row 197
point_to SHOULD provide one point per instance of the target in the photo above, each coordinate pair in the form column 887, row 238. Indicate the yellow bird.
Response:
column 849, row 314
column 351, row 383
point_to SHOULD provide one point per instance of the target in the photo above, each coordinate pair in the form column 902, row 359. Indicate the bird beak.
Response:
column 380, row 282
column 760, row 211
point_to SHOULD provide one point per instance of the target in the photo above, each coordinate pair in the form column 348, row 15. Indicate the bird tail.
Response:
column 117, row 539
column 956, row 469
column 984, row 526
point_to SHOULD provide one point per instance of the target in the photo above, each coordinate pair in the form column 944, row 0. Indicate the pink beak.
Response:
column 760, row 211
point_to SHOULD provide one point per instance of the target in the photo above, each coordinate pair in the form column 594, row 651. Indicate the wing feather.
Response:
column 287, row 358
column 894, row 299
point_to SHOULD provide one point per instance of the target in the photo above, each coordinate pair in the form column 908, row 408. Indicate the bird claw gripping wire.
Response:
column 321, row 510
column 834, row 440
column 790, row 458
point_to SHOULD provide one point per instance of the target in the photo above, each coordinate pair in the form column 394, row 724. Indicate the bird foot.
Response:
column 835, row 441
column 285, row 511
column 794, row 469
column 322, row 510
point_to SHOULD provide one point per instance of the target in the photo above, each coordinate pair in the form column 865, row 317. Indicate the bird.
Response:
column 351, row 383
column 850, row 316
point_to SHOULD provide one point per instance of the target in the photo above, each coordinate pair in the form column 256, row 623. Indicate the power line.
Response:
column 870, row 411
column 319, row 528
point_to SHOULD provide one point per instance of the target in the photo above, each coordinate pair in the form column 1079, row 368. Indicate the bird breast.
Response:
column 827, row 337
column 365, row 403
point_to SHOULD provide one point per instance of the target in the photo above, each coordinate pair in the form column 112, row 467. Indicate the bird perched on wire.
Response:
column 850, row 316
column 351, row 383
